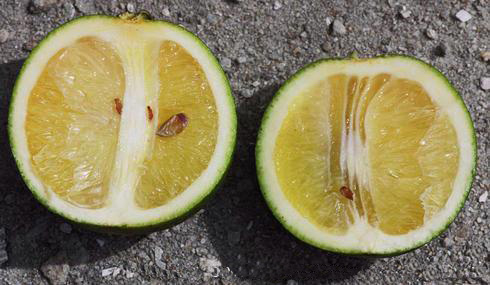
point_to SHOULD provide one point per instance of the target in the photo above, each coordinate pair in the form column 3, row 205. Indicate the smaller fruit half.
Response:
column 366, row 156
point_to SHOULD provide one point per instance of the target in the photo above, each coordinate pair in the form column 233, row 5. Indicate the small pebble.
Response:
column 431, row 34
column 129, row 274
column 256, row 84
column 326, row 47
column 338, row 27
column 130, row 7
column 463, row 16
column 166, row 12
column 4, row 36
column 405, row 13
column 209, row 265
column 277, row 5
column 83, row 6
column 328, row 21
column 69, row 9
column 158, row 258
column 109, row 271
column 37, row 6
column 65, row 228
column 212, row 19
column 483, row 197
column 485, row 55
column 226, row 62
column 242, row 59
column 292, row 282
column 56, row 269
column 485, row 85
column 391, row 3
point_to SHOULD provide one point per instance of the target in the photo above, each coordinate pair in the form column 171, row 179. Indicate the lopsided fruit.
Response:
column 366, row 156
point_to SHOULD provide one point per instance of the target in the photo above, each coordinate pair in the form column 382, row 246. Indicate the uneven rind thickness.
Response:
column 295, row 230
column 150, row 225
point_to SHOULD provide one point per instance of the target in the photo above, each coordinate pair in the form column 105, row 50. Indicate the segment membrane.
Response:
column 380, row 136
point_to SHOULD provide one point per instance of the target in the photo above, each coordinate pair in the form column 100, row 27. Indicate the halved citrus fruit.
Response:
column 366, row 156
column 122, row 122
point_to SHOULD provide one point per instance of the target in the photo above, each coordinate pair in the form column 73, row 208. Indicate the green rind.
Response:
column 294, row 230
column 152, row 225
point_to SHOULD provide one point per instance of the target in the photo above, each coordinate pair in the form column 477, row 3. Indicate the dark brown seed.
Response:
column 345, row 191
column 119, row 106
column 173, row 126
column 150, row 113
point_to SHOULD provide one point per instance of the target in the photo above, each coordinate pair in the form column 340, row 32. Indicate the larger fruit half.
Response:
column 366, row 156
column 122, row 122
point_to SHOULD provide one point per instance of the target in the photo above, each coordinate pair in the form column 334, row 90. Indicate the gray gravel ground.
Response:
column 235, row 239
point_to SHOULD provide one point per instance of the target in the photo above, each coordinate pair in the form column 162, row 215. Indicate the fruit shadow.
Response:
column 246, row 236
column 33, row 234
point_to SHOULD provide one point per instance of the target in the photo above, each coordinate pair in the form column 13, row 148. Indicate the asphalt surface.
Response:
column 235, row 239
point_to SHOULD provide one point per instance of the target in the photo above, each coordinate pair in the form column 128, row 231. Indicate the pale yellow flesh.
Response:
column 380, row 136
column 72, row 125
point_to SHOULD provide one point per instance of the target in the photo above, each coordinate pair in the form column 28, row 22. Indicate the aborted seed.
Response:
column 346, row 192
column 118, row 105
column 150, row 113
column 173, row 126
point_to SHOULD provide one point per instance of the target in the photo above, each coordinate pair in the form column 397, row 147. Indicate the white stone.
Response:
column 210, row 265
column 338, row 27
column 109, row 271
column 405, row 13
column 277, row 5
column 463, row 16
column 130, row 7
column 483, row 197
column 431, row 34
column 485, row 83
column 129, row 274
column 328, row 21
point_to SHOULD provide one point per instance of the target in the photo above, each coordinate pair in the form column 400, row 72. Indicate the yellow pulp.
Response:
column 177, row 161
column 72, row 125
column 380, row 136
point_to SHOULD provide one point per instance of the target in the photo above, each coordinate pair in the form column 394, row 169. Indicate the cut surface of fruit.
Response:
column 371, row 156
column 87, row 114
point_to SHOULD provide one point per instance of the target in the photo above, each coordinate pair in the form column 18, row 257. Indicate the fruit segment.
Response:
column 72, row 125
column 372, row 148
column 174, row 162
